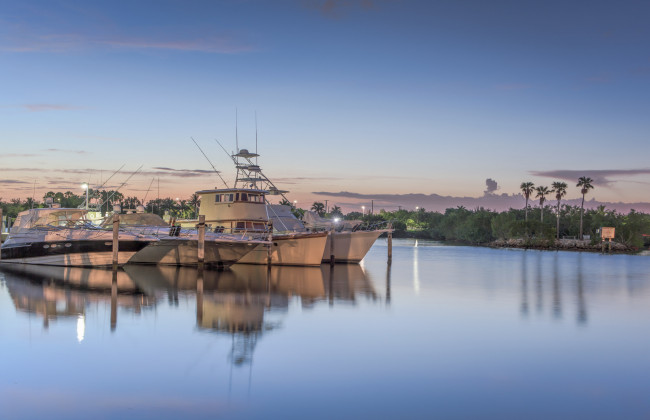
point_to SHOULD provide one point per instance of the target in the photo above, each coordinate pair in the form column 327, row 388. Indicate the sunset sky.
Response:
column 368, row 96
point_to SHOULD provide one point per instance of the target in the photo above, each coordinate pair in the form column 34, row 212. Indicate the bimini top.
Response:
column 244, row 153
column 56, row 217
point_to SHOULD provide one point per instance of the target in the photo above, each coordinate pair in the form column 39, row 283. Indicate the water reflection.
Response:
column 234, row 302
column 67, row 292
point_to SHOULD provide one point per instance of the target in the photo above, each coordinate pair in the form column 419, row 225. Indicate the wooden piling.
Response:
column 0, row 231
column 201, row 244
column 116, row 239
column 269, row 255
column 390, row 243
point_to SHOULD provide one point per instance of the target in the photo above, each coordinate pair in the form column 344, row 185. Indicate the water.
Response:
column 447, row 332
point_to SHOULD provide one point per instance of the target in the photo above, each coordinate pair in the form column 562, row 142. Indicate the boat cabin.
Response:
column 234, row 209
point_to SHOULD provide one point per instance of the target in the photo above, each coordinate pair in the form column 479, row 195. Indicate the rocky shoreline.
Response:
column 562, row 244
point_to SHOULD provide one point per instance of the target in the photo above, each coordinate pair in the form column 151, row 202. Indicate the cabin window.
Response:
column 244, row 197
column 240, row 225
column 217, row 198
column 258, row 226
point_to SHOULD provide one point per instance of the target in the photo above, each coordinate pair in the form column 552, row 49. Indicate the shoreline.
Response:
column 563, row 245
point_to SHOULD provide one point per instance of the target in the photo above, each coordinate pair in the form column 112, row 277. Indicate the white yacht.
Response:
column 346, row 240
column 176, row 246
column 65, row 237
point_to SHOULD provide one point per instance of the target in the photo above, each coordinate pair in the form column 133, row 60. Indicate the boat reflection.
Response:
column 237, row 302
column 244, row 302
column 53, row 292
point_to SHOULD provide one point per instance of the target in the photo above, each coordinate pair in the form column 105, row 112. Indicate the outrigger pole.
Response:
column 206, row 157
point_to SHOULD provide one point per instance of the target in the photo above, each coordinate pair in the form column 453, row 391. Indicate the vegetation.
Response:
column 585, row 185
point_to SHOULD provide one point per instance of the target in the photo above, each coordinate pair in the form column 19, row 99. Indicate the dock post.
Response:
column 1, row 225
column 270, row 247
column 390, row 243
column 116, row 239
column 609, row 242
column 332, row 258
column 201, row 245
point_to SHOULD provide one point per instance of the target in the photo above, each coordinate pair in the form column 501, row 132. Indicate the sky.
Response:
column 370, row 97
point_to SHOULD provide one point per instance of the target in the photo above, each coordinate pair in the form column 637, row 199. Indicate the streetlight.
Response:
column 363, row 210
column 295, row 204
column 85, row 187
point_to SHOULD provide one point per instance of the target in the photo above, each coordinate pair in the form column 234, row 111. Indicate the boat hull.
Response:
column 350, row 247
column 77, row 253
column 184, row 252
column 303, row 249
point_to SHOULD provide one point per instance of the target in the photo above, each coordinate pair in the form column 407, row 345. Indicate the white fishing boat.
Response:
column 176, row 246
column 243, row 211
column 65, row 237
column 346, row 239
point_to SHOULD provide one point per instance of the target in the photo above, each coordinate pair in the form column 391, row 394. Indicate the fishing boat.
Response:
column 65, row 237
column 346, row 241
column 243, row 211
column 176, row 246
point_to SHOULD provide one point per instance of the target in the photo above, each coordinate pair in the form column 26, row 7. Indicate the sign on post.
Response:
column 607, row 233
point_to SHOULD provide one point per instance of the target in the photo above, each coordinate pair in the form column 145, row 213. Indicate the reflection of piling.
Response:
column 388, row 283
column 332, row 247
column 201, row 244
column 390, row 243
column 114, row 301
column 199, row 297
column 116, row 236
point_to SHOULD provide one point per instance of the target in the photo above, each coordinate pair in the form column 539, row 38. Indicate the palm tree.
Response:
column 585, row 185
column 559, row 188
column 319, row 208
column 527, row 188
column 541, row 194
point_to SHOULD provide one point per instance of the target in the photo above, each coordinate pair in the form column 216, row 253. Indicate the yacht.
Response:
column 243, row 211
column 65, row 237
column 347, row 241
column 176, row 246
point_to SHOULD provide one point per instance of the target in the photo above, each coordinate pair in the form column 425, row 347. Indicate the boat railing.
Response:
column 192, row 233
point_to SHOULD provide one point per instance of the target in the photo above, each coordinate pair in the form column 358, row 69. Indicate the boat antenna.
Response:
column 206, row 157
column 34, row 193
column 236, row 132
column 256, row 137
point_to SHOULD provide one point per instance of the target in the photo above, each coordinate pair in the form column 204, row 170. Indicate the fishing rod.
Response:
column 206, row 157
column 118, row 188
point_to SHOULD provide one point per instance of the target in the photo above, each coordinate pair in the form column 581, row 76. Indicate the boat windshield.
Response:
column 50, row 218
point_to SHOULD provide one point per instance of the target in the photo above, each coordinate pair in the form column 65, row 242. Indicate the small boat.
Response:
column 65, row 237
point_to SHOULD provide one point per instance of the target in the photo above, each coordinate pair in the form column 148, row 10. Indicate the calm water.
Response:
column 447, row 332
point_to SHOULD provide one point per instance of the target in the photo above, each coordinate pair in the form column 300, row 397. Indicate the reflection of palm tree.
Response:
column 559, row 188
column 582, row 307
column 585, row 185
column 524, row 285
column 527, row 189
column 557, row 296
column 541, row 194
